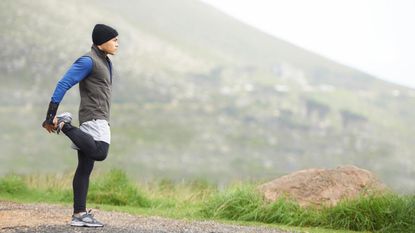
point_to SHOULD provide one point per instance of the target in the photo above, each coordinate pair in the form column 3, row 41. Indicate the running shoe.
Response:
column 65, row 117
column 85, row 220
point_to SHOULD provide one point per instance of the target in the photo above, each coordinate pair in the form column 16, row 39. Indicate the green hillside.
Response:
column 197, row 94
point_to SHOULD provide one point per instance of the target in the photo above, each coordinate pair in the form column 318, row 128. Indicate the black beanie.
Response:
column 103, row 33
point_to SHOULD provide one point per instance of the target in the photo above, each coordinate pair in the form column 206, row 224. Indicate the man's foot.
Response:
column 85, row 220
column 63, row 119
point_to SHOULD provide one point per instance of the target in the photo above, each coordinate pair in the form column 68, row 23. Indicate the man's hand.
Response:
column 50, row 127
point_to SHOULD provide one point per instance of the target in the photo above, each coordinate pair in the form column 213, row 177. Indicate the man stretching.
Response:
column 93, row 72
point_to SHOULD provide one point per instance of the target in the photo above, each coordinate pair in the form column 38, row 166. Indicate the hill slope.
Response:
column 198, row 94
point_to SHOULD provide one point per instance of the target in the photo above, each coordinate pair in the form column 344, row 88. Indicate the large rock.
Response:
column 318, row 187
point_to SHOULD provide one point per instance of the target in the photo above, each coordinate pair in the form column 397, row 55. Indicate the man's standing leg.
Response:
column 80, row 182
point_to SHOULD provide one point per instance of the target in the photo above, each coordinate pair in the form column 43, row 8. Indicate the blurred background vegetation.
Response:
column 198, row 199
column 197, row 94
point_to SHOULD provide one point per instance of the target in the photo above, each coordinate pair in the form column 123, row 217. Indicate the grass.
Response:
column 114, row 188
column 376, row 213
column 200, row 200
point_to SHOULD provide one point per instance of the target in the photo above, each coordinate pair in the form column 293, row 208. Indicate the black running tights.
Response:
column 89, row 152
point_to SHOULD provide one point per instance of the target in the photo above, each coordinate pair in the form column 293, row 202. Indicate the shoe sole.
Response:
column 84, row 224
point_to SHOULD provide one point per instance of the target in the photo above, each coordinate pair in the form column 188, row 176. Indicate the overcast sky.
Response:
column 375, row 36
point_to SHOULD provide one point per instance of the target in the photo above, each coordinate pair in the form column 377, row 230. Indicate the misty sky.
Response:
column 375, row 36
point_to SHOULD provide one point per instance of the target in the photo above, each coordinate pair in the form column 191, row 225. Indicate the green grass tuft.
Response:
column 246, row 204
column 381, row 213
column 13, row 184
column 240, row 204
column 377, row 213
column 114, row 188
column 288, row 212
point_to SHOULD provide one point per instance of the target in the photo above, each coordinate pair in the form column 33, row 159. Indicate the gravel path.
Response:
column 16, row 217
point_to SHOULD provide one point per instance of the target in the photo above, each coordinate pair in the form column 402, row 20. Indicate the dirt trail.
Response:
column 17, row 217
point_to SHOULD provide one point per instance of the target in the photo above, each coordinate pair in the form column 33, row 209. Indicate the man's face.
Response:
column 110, row 47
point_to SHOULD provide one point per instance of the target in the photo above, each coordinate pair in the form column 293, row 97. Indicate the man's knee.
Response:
column 102, row 151
column 101, row 156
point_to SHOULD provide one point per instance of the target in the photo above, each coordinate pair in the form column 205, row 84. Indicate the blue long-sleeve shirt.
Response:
column 80, row 69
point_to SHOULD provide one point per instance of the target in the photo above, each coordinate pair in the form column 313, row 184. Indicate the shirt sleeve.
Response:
column 80, row 69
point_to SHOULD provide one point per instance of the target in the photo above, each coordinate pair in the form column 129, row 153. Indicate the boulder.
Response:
column 323, row 187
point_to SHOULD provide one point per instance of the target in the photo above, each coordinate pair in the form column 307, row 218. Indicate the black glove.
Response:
column 50, row 115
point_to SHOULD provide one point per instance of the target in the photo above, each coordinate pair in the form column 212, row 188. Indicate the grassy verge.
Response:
column 199, row 200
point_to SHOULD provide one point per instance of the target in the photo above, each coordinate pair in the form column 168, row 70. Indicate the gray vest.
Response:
column 95, row 89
